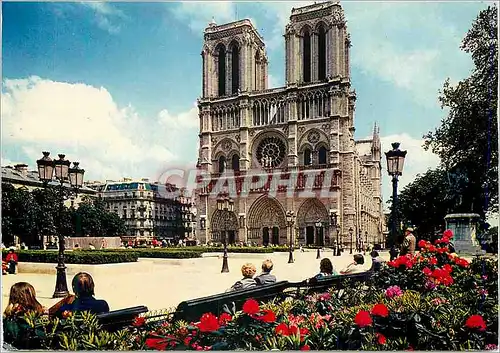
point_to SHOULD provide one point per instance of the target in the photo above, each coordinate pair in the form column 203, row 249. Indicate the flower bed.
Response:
column 431, row 301
column 95, row 257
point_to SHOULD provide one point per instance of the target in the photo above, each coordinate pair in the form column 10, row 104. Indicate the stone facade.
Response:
column 302, row 133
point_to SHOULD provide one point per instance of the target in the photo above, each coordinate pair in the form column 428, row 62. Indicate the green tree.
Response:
column 467, row 138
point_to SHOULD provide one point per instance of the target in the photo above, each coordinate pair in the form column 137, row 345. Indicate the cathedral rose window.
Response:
column 271, row 152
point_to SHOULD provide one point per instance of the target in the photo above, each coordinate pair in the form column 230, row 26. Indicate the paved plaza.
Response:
column 164, row 283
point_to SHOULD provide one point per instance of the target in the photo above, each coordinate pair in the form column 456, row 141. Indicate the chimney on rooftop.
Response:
column 21, row 168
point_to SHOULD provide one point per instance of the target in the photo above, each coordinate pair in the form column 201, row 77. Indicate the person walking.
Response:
column 409, row 243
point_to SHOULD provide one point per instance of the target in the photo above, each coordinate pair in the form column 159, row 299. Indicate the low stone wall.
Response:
column 98, row 242
column 73, row 269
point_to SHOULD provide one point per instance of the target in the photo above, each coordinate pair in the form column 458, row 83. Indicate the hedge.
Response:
column 75, row 257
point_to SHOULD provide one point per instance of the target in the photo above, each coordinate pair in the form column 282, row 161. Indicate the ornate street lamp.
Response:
column 333, row 224
column 76, row 182
column 226, row 206
column 366, row 238
column 290, row 218
column 318, row 225
column 47, row 169
column 350, row 233
column 395, row 162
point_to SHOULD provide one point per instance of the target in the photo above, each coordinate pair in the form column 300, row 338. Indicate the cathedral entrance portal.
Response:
column 267, row 222
column 276, row 236
column 224, row 224
column 310, row 235
column 265, row 236
column 312, row 213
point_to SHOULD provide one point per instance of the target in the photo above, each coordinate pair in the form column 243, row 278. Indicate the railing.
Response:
column 272, row 107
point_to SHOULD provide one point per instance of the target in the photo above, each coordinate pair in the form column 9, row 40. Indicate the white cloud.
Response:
column 106, row 16
column 417, row 161
column 381, row 33
column 199, row 15
column 85, row 122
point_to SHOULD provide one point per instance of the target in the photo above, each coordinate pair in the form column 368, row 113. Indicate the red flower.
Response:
column 447, row 268
column 269, row 316
column 427, row 271
column 305, row 347
column 381, row 339
column 448, row 234
column 224, row 318
column 476, row 321
column 160, row 344
column 187, row 340
column 208, row 323
column 293, row 330
column 421, row 243
column 433, row 261
column 65, row 314
column 251, row 306
column 380, row 310
column 139, row 321
column 442, row 250
column 282, row 329
column 363, row 318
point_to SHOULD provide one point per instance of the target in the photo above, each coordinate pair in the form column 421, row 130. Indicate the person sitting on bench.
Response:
column 377, row 261
column 248, row 271
column 355, row 267
column 326, row 269
column 83, row 300
column 266, row 277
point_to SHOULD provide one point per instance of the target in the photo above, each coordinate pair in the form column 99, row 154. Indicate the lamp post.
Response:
column 366, row 239
column 350, row 234
column 226, row 206
column 333, row 224
column 290, row 217
column 395, row 162
column 318, row 225
column 47, row 168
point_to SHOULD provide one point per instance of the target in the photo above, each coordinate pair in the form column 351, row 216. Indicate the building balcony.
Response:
column 276, row 106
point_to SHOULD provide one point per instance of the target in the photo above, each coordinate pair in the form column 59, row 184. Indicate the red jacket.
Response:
column 11, row 257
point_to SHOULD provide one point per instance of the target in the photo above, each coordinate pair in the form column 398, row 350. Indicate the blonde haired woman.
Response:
column 248, row 271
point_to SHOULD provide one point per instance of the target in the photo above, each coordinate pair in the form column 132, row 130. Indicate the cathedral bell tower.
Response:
column 234, row 59
column 316, row 44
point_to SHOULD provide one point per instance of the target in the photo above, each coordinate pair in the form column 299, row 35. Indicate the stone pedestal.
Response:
column 464, row 227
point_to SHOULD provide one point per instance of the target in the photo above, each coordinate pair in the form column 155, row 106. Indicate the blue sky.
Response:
column 114, row 85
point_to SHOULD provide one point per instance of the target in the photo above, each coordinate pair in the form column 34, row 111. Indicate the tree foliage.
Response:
column 32, row 215
column 467, row 138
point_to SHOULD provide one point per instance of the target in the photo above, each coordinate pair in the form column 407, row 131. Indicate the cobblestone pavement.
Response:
column 164, row 283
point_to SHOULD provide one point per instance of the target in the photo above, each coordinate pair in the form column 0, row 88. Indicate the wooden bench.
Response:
column 117, row 319
column 191, row 310
column 314, row 285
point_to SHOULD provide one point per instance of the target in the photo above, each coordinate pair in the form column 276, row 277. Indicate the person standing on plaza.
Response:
column 12, row 261
column 409, row 243
column 266, row 277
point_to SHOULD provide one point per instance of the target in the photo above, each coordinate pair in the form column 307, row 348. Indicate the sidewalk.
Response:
column 164, row 283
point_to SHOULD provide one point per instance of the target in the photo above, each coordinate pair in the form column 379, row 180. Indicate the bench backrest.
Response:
column 118, row 319
column 314, row 285
column 191, row 310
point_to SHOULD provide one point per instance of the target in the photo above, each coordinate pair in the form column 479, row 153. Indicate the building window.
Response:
column 235, row 163
column 235, row 68
column 307, row 157
column 221, row 52
column 222, row 164
column 306, row 56
column 321, row 53
column 322, row 155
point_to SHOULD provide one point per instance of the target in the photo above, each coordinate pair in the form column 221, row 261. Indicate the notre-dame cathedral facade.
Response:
column 305, row 128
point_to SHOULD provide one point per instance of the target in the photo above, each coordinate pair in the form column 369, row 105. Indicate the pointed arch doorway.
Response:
column 267, row 222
